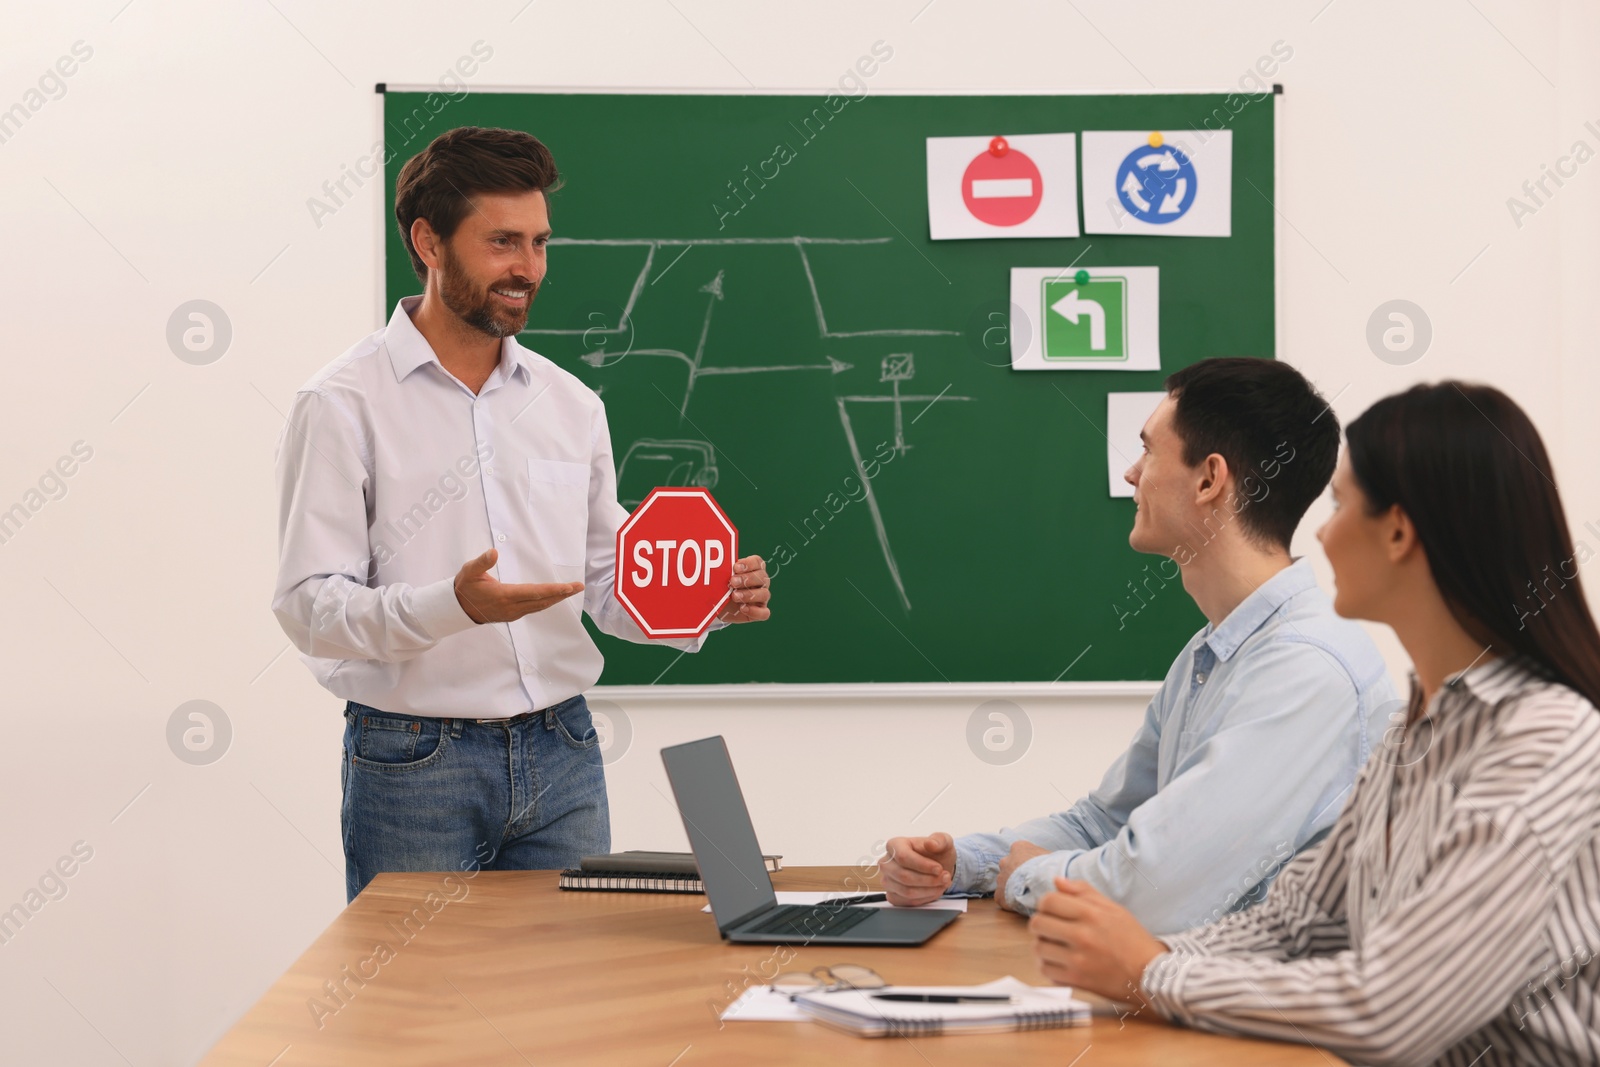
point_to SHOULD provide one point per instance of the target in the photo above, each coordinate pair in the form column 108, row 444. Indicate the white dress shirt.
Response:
column 392, row 474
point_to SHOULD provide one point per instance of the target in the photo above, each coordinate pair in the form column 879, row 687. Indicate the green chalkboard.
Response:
column 764, row 350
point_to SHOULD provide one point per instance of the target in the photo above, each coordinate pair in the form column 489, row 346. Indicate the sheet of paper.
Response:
column 1161, row 183
column 1126, row 414
column 761, row 1004
column 810, row 896
column 1085, row 318
column 1027, row 187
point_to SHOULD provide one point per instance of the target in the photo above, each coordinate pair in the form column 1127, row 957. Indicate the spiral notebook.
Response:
column 1031, row 1008
column 638, row 871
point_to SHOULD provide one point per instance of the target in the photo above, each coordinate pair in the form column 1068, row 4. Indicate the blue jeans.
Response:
column 429, row 794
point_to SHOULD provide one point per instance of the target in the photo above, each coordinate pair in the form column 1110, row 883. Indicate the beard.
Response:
column 480, row 308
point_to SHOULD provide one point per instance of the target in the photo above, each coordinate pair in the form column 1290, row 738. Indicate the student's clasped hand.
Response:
column 917, row 870
column 1087, row 941
column 1021, row 852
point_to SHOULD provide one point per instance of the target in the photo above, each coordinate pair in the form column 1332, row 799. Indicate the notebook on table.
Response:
column 641, row 871
column 862, row 1012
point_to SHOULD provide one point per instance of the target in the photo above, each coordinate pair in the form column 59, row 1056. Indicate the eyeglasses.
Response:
column 827, row 980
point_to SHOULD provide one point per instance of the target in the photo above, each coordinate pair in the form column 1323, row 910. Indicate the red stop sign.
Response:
column 674, row 560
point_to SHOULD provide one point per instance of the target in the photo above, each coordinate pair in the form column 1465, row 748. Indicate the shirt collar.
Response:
column 1254, row 610
column 1487, row 682
column 408, row 349
column 1493, row 680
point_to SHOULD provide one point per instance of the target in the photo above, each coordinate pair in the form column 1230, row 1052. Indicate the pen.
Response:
column 859, row 898
column 945, row 998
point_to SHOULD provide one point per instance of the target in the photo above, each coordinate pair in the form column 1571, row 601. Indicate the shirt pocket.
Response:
column 558, row 498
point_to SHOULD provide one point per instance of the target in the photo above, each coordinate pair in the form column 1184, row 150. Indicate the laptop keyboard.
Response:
column 805, row 921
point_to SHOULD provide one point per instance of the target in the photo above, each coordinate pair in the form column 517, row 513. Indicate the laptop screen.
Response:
column 718, row 824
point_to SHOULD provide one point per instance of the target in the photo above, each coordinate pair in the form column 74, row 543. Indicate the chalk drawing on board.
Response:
column 649, row 458
column 713, row 288
column 896, row 368
column 651, row 462
column 652, row 244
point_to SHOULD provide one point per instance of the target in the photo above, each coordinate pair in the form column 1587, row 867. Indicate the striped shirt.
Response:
column 1452, row 915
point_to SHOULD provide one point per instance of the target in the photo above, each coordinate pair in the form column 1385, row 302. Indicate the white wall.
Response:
column 177, row 166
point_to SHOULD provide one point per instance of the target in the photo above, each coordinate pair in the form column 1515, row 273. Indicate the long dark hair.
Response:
column 1466, row 465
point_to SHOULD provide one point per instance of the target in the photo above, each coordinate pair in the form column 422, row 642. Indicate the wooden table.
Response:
column 505, row 969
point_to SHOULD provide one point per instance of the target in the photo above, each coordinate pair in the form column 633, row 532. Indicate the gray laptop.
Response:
column 742, row 901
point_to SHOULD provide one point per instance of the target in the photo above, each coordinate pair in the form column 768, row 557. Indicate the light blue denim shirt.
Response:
column 1246, row 754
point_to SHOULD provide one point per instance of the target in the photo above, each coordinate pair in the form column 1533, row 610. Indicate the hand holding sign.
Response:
column 752, row 590
column 677, row 569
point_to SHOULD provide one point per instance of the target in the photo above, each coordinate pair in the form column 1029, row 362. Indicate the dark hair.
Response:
column 1260, row 415
column 1466, row 465
column 435, row 183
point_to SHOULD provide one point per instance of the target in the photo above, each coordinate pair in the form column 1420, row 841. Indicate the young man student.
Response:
column 443, row 491
column 1250, row 746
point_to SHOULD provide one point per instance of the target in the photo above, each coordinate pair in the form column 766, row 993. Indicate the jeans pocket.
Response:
column 575, row 724
column 393, row 743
